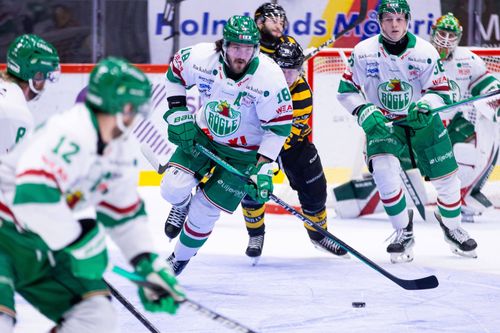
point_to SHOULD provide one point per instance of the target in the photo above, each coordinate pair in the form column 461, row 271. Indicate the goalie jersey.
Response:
column 253, row 113
column 393, row 82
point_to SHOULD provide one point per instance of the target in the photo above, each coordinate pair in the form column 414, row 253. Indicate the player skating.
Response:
column 299, row 160
column 474, row 132
column 245, row 117
column 79, row 159
column 401, row 75
column 31, row 62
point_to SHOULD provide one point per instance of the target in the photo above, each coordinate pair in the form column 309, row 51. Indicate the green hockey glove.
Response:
column 88, row 254
column 419, row 115
column 159, row 273
column 181, row 128
column 373, row 121
column 262, row 177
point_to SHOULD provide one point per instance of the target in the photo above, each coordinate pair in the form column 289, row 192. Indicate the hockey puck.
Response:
column 358, row 304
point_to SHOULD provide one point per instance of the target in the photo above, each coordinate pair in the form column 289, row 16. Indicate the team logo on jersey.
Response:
column 222, row 120
column 454, row 91
column 395, row 95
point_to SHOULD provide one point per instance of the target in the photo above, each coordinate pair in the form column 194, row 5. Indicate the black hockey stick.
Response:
column 413, row 193
column 131, row 308
column 227, row 322
column 428, row 282
column 363, row 9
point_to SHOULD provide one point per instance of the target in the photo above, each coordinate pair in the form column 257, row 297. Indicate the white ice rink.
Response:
column 296, row 288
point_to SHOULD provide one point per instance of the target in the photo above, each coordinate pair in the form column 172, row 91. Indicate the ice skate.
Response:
column 459, row 240
column 175, row 221
column 329, row 246
column 401, row 247
column 254, row 248
column 177, row 266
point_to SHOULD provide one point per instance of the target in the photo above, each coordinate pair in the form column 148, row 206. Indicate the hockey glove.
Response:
column 262, row 181
column 419, row 115
column 298, row 133
column 159, row 273
column 88, row 254
column 373, row 122
column 181, row 128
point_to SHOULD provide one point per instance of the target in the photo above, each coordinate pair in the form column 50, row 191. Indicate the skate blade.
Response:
column 399, row 258
column 343, row 256
column 254, row 260
column 467, row 254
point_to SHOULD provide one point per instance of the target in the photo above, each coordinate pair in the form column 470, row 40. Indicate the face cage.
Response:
column 408, row 19
column 52, row 77
column 225, row 44
column 445, row 42
column 279, row 16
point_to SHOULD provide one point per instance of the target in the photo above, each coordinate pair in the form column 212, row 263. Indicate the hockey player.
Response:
column 31, row 61
column 401, row 75
column 78, row 159
column 245, row 117
column 474, row 132
column 299, row 160
column 272, row 22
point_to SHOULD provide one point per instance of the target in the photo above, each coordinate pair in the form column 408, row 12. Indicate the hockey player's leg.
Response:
column 6, row 323
column 176, row 187
column 253, row 213
column 94, row 314
column 449, row 207
column 200, row 222
column 386, row 169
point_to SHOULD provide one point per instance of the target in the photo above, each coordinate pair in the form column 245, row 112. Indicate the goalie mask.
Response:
column 446, row 35
column 32, row 59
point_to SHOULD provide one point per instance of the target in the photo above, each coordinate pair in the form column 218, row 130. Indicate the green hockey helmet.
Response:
column 31, row 57
column 446, row 35
column 113, row 83
column 241, row 29
column 393, row 6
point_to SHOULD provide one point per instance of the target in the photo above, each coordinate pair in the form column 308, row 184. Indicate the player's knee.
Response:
column 6, row 323
column 386, row 169
column 202, row 213
column 176, row 185
column 92, row 315
column 447, row 188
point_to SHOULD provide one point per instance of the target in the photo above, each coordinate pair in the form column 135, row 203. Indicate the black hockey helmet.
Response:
column 270, row 10
column 289, row 55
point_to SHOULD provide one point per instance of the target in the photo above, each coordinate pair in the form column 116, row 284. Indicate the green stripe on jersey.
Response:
column 36, row 193
column 347, row 87
column 281, row 130
column 109, row 221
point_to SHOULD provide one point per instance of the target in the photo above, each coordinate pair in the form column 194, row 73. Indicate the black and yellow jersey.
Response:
column 302, row 109
column 270, row 47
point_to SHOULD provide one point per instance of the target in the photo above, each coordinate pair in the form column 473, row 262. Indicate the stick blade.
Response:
column 429, row 282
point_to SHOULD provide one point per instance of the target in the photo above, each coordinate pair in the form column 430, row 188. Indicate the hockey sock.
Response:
column 450, row 213
column 190, row 241
column 318, row 218
column 254, row 220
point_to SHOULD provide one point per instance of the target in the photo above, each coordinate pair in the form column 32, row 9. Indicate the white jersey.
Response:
column 252, row 113
column 393, row 82
column 16, row 120
column 59, row 170
column 468, row 76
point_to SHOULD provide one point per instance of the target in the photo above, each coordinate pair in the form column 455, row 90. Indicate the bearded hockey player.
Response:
column 31, row 62
column 474, row 131
column 79, row 159
column 272, row 21
column 245, row 117
column 401, row 76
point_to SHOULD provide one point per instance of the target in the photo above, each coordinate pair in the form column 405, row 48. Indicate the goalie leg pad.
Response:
column 386, row 169
column 95, row 314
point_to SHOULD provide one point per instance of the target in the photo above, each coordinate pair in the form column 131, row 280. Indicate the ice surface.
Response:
column 296, row 288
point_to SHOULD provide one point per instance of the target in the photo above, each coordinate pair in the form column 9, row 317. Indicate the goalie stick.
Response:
column 363, row 9
column 142, row 282
column 428, row 282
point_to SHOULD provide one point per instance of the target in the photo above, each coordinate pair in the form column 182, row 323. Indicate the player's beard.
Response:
column 238, row 65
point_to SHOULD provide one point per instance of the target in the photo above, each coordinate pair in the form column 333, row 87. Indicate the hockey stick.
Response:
column 131, row 308
column 452, row 105
column 227, row 322
column 363, row 9
column 428, row 282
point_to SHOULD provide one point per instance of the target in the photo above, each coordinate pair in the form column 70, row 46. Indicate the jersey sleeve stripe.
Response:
column 111, row 217
column 36, row 193
column 281, row 130
column 120, row 210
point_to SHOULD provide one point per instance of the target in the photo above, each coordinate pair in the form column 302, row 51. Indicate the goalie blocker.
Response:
column 360, row 197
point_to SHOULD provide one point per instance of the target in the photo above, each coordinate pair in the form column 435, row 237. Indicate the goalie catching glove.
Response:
column 262, row 181
column 159, row 273
column 181, row 128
